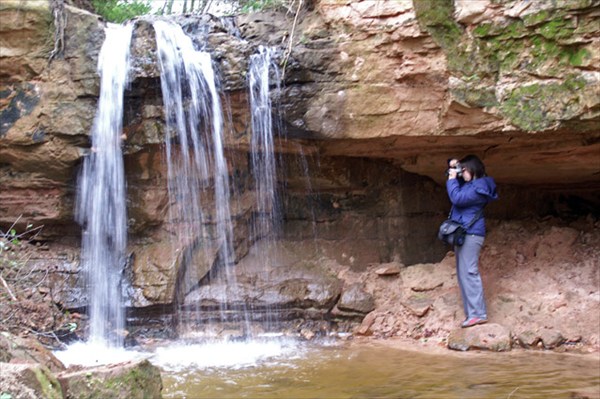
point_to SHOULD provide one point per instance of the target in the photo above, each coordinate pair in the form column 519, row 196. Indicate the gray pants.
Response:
column 469, row 280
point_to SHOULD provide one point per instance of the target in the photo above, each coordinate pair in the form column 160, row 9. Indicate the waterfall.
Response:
column 267, row 216
column 101, row 203
column 262, row 146
column 195, row 155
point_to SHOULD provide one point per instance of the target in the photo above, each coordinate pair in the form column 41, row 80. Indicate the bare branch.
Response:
column 291, row 40
column 12, row 296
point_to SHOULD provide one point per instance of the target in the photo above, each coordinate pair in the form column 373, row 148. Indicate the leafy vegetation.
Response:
column 247, row 6
column 118, row 11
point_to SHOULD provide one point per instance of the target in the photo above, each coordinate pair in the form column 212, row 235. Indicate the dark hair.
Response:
column 474, row 165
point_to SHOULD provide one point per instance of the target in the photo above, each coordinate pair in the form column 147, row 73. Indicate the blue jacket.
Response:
column 468, row 198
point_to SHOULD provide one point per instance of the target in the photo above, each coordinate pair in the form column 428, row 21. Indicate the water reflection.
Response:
column 378, row 371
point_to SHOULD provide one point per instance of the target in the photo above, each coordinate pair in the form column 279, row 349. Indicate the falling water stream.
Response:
column 267, row 219
column 262, row 149
column 198, row 176
column 101, row 197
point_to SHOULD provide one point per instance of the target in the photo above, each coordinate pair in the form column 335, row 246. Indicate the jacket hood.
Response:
column 486, row 186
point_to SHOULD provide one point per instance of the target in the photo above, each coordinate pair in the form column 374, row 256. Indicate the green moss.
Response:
column 476, row 96
column 579, row 57
column 436, row 16
column 538, row 107
column 537, row 18
column 134, row 381
column 542, row 50
column 513, row 30
column 557, row 29
column 48, row 383
column 483, row 30
column 137, row 382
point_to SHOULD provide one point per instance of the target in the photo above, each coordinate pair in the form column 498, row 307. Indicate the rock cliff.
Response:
column 376, row 96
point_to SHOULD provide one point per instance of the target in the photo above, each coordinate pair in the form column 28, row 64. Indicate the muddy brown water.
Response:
column 374, row 370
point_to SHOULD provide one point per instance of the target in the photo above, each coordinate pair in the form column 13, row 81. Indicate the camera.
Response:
column 458, row 168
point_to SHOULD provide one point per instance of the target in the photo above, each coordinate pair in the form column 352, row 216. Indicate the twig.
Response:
column 6, row 235
column 39, row 229
column 511, row 394
column 23, row 263
column 291, row 41
column 12, row 296
column 50, row 334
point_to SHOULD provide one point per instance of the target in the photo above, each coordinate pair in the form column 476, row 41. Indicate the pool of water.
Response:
column 287, row 369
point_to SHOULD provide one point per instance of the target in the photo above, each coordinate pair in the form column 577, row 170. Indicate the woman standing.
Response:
column 469, row 190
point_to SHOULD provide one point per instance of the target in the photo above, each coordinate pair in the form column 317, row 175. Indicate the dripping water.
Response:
column 264, row 73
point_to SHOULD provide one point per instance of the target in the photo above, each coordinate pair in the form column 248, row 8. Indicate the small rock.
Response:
column 551, row 338
column 365, row 326
column 528, row 339
column 355, row 299
column 492, row 337
column 307, row 334
column 389, row 269
column 417, row 305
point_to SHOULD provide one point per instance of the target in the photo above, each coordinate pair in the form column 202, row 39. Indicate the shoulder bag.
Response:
column 453, row 233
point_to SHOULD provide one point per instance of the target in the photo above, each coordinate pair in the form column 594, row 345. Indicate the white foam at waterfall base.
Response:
column 181, row 356
column 89, row 354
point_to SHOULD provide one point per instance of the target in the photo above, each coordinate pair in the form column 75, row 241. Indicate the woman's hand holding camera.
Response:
column 452, row 169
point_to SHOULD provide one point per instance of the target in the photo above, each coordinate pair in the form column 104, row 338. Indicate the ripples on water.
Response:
column 284, row 368
column 294, row 370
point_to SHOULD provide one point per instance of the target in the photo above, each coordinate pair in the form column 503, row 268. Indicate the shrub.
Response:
column 118, row 11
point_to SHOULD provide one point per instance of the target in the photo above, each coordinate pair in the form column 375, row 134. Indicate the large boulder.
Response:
column 29, row 381
column 14, row 349
column 136, row 379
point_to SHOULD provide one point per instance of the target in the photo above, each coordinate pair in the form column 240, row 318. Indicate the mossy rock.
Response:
column 537, row 107
column 29, row 380
column 135, row 380
column 436, row 16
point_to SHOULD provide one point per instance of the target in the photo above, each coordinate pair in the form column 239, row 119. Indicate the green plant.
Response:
column 118, row 11
column 247, row 6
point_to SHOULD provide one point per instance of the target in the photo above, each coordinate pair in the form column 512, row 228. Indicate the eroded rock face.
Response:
column 47, row 110
column 377, row 96
column 470, row 76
